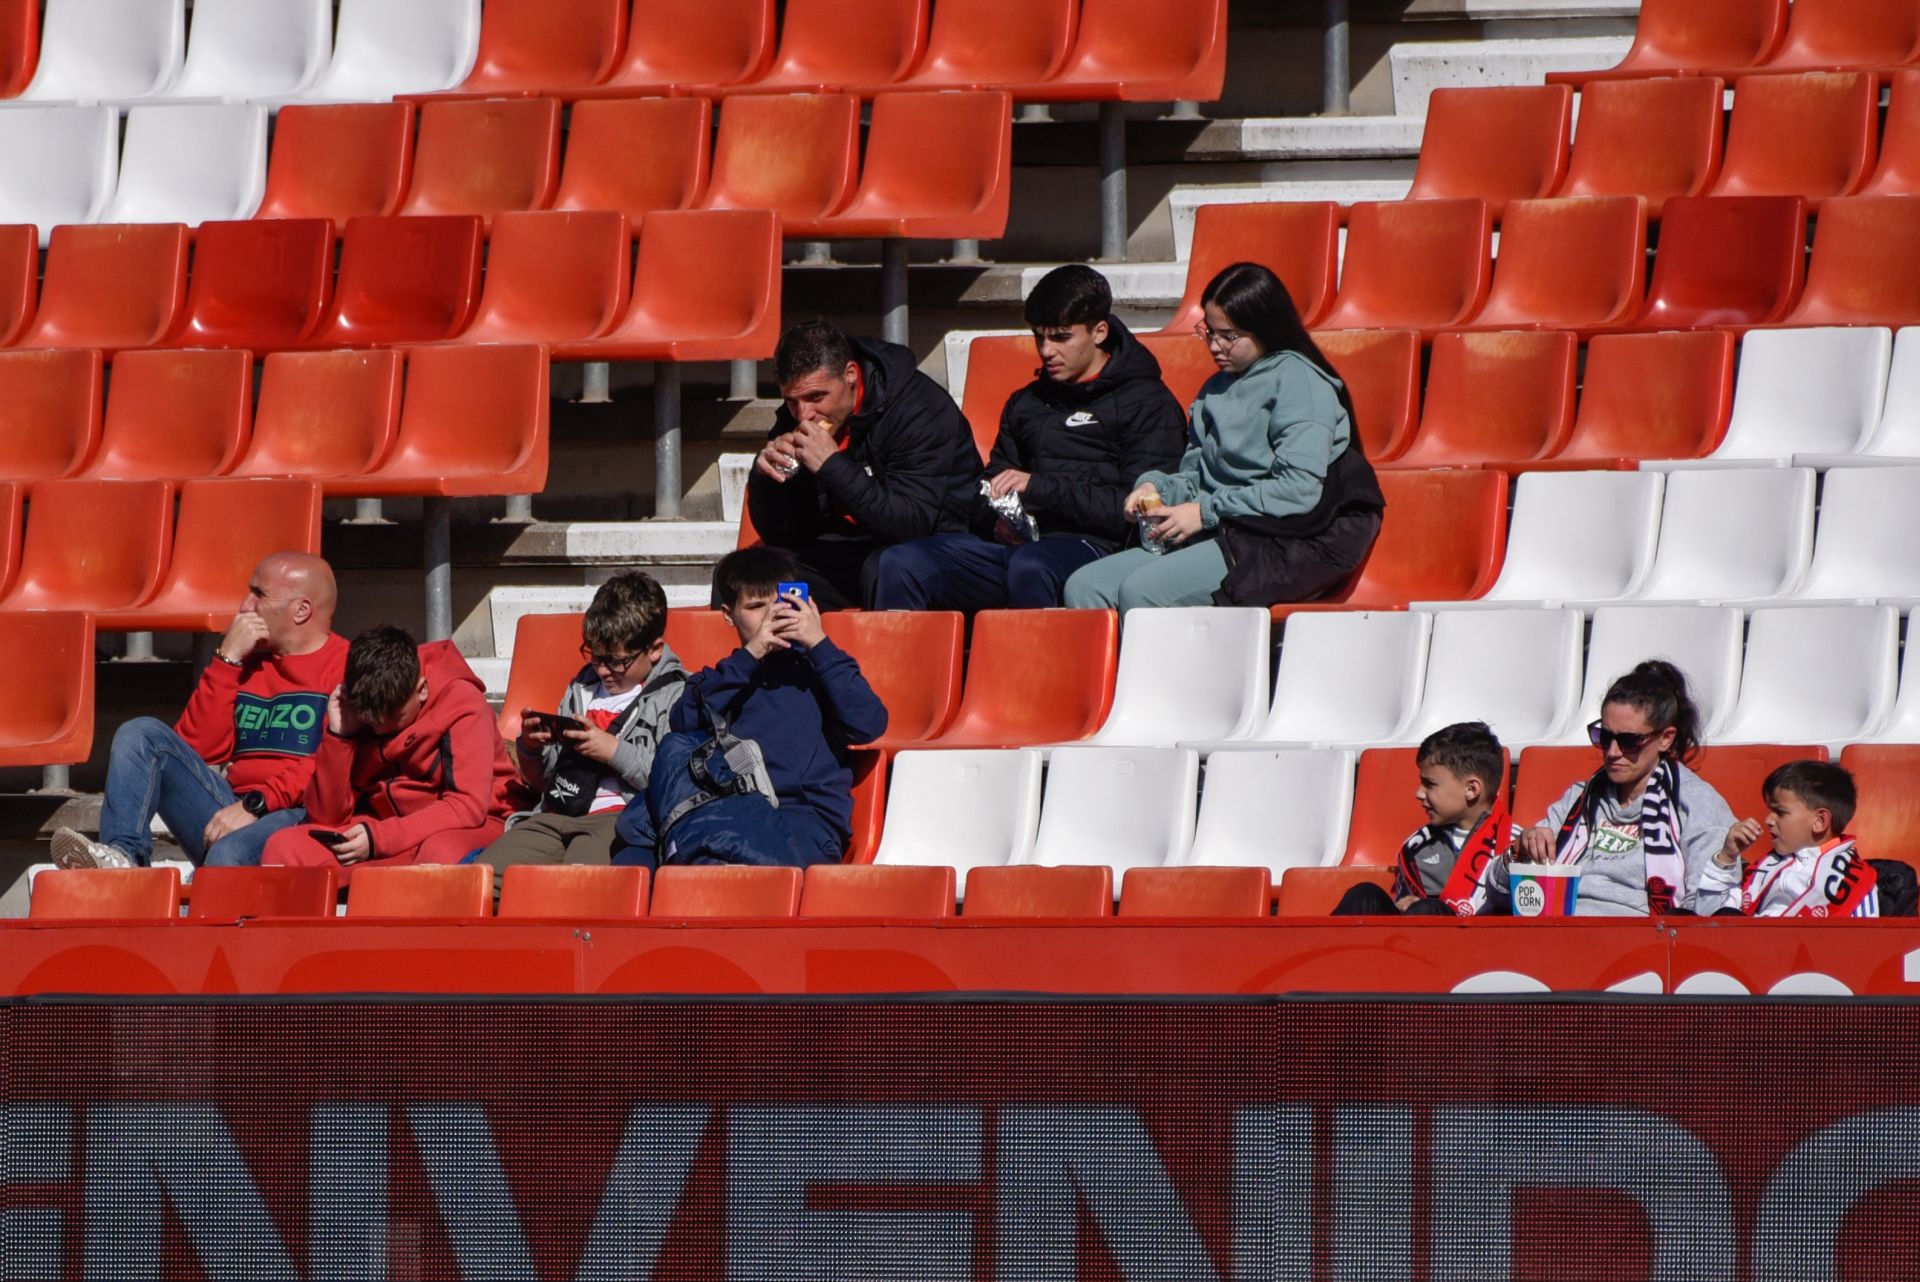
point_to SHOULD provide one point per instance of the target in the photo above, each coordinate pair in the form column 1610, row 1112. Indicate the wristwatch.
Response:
column 254, row 803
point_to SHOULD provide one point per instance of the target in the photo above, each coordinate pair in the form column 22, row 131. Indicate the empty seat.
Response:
column 1418, row 264
column 1887, row 824
column 1705, row 642
column 1678, row 36
column 868, row 890
column 963, row 810
column 701, row 636
column 403, row 280
column 1555, row 550
column 485, row 156
column 19, row 278
column 234, row 894
column 1732, row 534
column 260, row 284
column 1516, row 670
column 1651, row 138
column 911, row 658
column 1818, row 674
column 1381, row 368
column 1869, row 519
column 1902, row 724
column 1569, row 264
column 108, row 50
column 1194, row 892
column 1274, row 809
column 19, row 44
column 381, row 49
column 537, row 46
column 53, row 413
column 1385, row 810
column 1506, row 395
column 93, row 545
column 994, row 44
column 714, row 44
column 189, row 164
column 1727, row 260
column 937, row 166
column 1316, row 892
column 1816, row 391
column 636, row 155
column 1299, row 241
column 226, row 527
column 1122, row 807
column 721, row 890
column 1035, row 676
column 552, row 277
column 1737, row 772
column 325, row 415
column 796, row 154
column 1865, row 266
column 1348, row 676
column 1031, row 891
column 1193, row 673
column 1496, row 143
column 1840, row 34
column 46, row 716
column 1895, row 438
column 255, row 49
column 869, row 804
column 573, row 890
column 474, row 421
column 106, row 894
column 111, row 286
column 1811, row 135
column 1897, row 171
column 175, row 414
column 422, row 890
column 831, row 44
column 546, row 657
column 12, row 504
column 1141, row 51
column 1651, row 396
column 339, row 161
column 63, row 164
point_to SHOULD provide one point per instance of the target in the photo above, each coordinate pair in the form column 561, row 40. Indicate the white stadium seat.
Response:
column 62, row 165
column 1192, row 673
column 246, row 49
column 1123, row 807
column 1274, row 808
column 1732, row 534
column 1802, row 391
column 1516, row 670
column 1903, row 723
column 963, row 809
column 1704, row 641
column 108, row 50
column 1863, row 548
column 191, row 164
column 1575, row 536
column 1822, row 674
column 382, row 49
column 1896, row 437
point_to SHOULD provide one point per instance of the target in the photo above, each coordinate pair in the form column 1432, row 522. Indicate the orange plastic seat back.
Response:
column 553, row 277
column 1727, row 260
column 94, row 545
column 1185, row 364
column 1194, row 892
column 796, row 154
column 53, row 405
column 997, row 367
column 700, row 636
column 1653, row 396
column 725, row 890
column 1865, row 266
column 12, row 507
column 1574, row 264
column 226, row 528
column 911, row 658
column 877, row 890
column 546, row 658
column 1384, row 810
column 1496, row 142
column 1415, row 264
column 111, row 285
column 997, row 42
column 230, row 894
column 175, row 414
column 713, row 42
column 474, row 421
column 1148, row 50
column 1651, row 138
column 1315, row 892
column 1863, row 34
column 339, row 161
column 1031, row 890
column 1381, row 368
column 106, row 894
column 706, row 286
column 636, row 155
column 831, row 43
column 573, row 890
column 1496, row 395
column 1036, row 676
column 938, row 164
column 1443, row 540
column 1545, row 774
column 19, row 278
column 533, row 45
column 46, row 688
column 1299, row 241
column 1897, row 172
column 260, row 284
column 324, row 414
column 1887, row 821
column 869, row 804
column 1697, row 35
column 485, row 156
column 19, row 44
column 404, row 280
column 1813, row 135
column 422, row 890
column 1736, row 770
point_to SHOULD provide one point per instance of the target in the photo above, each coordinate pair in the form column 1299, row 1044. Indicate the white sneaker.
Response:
column 76, row 850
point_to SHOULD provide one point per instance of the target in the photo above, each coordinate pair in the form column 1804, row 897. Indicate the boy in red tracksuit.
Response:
column 412, row 770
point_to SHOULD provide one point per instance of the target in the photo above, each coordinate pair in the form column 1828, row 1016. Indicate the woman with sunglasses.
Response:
column 1274, row 499
column 1644, row 827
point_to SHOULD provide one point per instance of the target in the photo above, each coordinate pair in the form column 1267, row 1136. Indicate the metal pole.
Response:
column 1336, row 69
column 893, row 290
column 817, row 253
column 140, row 646
column 743, row 380
column 1185, row 109
column 965, row 251
column 1113, row 182
column 367, row 511
column 519, row 508
column 666, row 440
column 437, row 517
column 56, row 779
column 596, row 383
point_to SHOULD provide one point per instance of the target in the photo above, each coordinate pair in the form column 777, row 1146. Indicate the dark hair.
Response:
column 1071, row 295
column 808, row 346
column 1658, row 690
column 383, row 669
column 1469, row 749
column 628, row 613
column 751, row 572
column 1820, row 784
column 1258, row 304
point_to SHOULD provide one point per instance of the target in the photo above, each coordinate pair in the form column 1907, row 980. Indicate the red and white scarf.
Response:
column 1839, row 883
column 1659, row 832
column 1466, row 890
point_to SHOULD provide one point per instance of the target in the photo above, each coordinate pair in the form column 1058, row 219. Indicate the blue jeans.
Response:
column 151, row 770
column 967, row 573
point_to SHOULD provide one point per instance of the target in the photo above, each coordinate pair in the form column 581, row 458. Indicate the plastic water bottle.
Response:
column 1149, row 504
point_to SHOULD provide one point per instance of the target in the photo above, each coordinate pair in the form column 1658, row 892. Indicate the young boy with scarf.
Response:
column 1813, row 870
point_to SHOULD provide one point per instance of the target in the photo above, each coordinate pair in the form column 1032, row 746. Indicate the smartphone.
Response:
column 328, row 838
column 792, row 591
column 553, row 721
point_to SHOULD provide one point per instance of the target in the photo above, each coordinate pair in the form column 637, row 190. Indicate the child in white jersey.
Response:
column 1813, row 870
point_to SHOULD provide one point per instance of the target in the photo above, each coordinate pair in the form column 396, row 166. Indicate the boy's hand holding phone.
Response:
column 796, row 619
column 535, row 732
column 591, row 742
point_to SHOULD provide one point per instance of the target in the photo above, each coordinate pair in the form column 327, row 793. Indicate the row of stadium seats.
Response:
column 1687, row 37
column 120, row 51
column 937, row 164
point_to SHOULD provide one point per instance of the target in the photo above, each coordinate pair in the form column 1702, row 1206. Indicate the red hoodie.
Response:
column 448, row 770
column 265, row 719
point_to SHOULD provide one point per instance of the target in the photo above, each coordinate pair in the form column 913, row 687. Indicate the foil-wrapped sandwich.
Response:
column 1013, row 523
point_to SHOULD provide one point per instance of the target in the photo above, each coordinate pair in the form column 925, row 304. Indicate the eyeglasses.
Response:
column 617, row 665
column 1630, row 743
column 1209, row 335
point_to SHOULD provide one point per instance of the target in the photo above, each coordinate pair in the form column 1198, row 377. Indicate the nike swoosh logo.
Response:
column 1080, row 419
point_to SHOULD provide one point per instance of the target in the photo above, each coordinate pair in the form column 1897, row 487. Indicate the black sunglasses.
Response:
column 1630, row 743
column 617, row 666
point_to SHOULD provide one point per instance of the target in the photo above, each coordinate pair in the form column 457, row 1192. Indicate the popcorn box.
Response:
column 1543, row 890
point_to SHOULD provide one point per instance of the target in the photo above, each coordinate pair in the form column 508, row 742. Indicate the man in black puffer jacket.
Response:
column 1071, row 445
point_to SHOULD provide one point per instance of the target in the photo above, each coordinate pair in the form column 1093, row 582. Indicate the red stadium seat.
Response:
column 1569, row 264
column 553, row 277
column 1299, row 241
column 485, row 156
column 725, row 890
column 53, row 413
column 19, row 44
column 325, row 415
column 112, row 285
column 938, row 166
column 994, row 44
column 1417, row 264
column 997, row 367
column 1186, row 363
column 796, row 154
column 174, row 414
column 712, row 43
column 573, row 890
column 1656, row 396
column 1809, row 135
column 231, row 894
column 877, row 890
column 1381, row 368
column 636, row 155
column 261, row 284
column 536, row 46
column 19, row 278
column 1652, row 138
column 422, row 890
column 911, row 658
column 1496, row 143
column 403, row 280
column 1384, row 810
column 474, row 421
column 1546, row 773
column 700, row 636
column 1141, row 51
column 869, row 804
column 1494, row 396
column 1315, row 892
column 1194, row 892
column 829, row 44
column 546, row 656
column 1035, row 676
column 1887, row 822
column 225, row 529
column 1031, row 890
column 1736, row 771
column 339, row 161
column 1726, row 260
column 93, row 545
column 46, row 688
column 1848, row 35
column 1865, row 267
column 1677, row 37
column 12, row 505
column 706, row 287
column 106, row 894
column 1898, row 170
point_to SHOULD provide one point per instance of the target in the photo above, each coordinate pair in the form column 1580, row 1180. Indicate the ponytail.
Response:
column 1658, row 691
